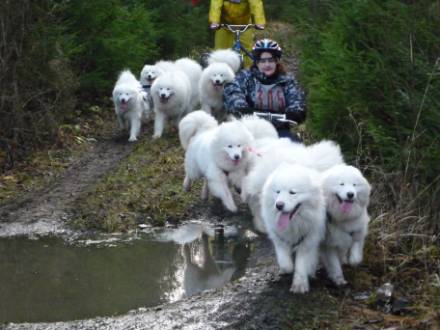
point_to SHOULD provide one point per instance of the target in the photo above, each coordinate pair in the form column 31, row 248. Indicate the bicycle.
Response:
column 237, row 30
column 275, row 117
column 281, row 123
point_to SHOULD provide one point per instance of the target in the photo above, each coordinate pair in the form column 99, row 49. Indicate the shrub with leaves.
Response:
column 109, row 36
column 371, row 69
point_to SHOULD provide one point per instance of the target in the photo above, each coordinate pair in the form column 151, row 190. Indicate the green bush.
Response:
column 109, row 36
column 371, row 71
column 181, row 27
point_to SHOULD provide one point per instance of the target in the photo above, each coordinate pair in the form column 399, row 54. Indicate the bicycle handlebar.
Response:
column 234, row 28
column 275, row 116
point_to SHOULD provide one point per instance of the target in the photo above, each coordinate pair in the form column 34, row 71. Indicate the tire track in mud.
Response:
column 43, row 212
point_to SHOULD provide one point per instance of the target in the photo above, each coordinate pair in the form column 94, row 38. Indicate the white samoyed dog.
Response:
column 214, row 152
column 193, row 70
column 131, row 104
column 347, row 195
column 293, row 210
column 148, row 74
column 171, row 94
column 227, row 56
column 319, row 156
column 213, row 78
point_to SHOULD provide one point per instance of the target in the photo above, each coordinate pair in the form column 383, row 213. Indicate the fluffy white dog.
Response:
column 227, row 56
column 193, row 70
column 171, row 94
column 131, row 104
column 214, row 152
column 347, row 194
column 293, row 210
column 319, row 156
column 211, row 85
column 148, row 74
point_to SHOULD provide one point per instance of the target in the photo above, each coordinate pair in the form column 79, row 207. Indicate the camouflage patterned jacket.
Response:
column 251, row 90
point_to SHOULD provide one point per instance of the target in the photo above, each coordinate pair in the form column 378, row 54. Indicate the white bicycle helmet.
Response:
column 266, row 45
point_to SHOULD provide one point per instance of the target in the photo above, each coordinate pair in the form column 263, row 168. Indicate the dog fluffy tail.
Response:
column 227, row 56
column 194, row 123
column 324, row 154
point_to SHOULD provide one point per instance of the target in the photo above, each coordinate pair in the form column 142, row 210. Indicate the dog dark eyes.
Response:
column 342, row 183
column 292, row 192
column 239, row 145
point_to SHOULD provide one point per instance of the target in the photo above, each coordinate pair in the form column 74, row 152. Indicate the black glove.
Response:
column 296, row 115
column 279, row 124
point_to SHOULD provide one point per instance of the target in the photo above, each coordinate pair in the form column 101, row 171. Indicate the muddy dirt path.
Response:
column 44, row 211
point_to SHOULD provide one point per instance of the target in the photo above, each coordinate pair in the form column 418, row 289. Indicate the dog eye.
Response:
column 341, row 184
column 239, row 145
column 292, row 192
column 230, row 146
column 277, row 191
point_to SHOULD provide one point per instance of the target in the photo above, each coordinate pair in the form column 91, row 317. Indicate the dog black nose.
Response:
column 350, row 195
column 279, row 205
column 236, row 157
column 217, row 81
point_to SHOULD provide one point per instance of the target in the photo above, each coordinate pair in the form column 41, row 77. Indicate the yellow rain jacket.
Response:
column 236, row 12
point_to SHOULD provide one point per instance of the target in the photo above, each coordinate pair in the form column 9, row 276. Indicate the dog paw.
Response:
column 354, row 259
column 339, row 281
column 232, row 208
column 300, row 285
column 132, row 139
column 156, row 136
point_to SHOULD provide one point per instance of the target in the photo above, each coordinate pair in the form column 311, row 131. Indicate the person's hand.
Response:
column 259, row 27
column 214, row 26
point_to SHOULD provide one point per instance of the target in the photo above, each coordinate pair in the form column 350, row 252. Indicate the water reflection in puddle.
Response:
column 48, row 280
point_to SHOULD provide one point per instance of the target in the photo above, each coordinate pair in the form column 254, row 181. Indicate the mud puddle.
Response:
column 48, row 280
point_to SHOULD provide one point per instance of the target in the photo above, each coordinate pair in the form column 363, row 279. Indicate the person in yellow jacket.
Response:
column 235, row 12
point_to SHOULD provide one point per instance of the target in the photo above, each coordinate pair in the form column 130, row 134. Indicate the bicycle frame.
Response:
column 238, row 30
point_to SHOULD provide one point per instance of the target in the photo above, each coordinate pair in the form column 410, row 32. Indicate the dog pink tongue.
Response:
column 346, row 207
column 283, row 221
column 124, row 106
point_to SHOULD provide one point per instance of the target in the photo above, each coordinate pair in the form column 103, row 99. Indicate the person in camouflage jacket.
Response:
column 266, row 87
